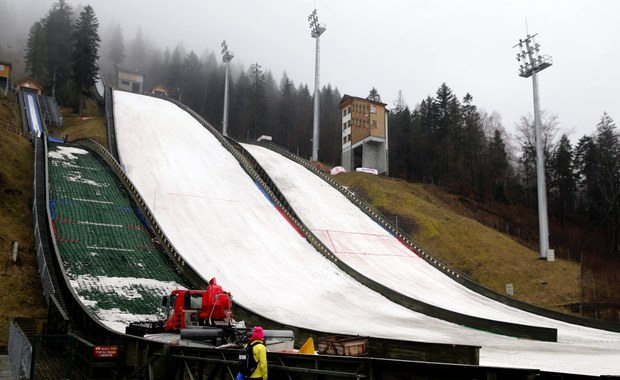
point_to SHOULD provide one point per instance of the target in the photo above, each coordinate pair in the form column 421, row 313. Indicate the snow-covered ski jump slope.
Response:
column 224, row 226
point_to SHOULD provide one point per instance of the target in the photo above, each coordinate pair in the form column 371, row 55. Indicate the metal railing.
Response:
column 39, row 220
column 20, row 352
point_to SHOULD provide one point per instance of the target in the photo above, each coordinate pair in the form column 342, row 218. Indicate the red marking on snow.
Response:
column 331, row 242
column 409, row 248
column 290, row 221
column 54, row 229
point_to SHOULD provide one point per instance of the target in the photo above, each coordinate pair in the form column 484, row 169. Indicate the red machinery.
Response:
column 206, row 316
column 193, row 308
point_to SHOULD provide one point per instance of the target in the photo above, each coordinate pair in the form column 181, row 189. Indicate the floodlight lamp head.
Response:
column 315, row 28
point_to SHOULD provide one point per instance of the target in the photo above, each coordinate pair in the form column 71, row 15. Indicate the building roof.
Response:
column 7, row 63
column 346, row 98
column 28, row 79
column 159, row 87
column 129, row 71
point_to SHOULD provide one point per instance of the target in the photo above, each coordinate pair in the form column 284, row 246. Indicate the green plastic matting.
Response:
column 113, row 262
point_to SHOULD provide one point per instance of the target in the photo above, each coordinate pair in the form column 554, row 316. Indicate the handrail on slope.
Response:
column 109, row 117
column 22, row 110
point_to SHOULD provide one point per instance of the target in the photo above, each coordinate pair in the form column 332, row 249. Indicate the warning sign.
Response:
column 105, row 352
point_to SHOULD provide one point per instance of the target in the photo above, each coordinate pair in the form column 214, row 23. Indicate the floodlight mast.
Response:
column 316, row 30
column 530, row 67
column 227, row 56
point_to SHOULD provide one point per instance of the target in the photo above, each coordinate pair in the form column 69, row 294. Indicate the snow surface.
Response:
column 32, row 111
column 370, row 249
column 224, row 227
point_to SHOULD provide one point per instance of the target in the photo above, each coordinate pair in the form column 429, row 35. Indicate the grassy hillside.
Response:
column 22, row 294
column 490, row 258
column 91, row 126
column 19, row 282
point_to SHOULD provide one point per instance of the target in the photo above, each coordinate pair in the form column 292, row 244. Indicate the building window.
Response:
column 374, row 124
column 373, row 109
column 125, row 82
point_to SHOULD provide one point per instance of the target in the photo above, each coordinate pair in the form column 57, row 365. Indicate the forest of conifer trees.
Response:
column 445, row 139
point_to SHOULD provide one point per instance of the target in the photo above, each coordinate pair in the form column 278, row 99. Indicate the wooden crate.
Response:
column 342, row 345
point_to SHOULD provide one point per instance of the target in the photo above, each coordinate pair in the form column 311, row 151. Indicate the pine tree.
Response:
column 35, row 51
column 59, row 46
column 447, row 133
column 562, row 181
column 286, row 112
column 472, row 149
column 374, row 95
column 174, row 79
column 257, row 101
column 192, row 80
column 498, row 162
column 330, row 146
column 117, row 48
column 85, row 53
column 399, row 126
column 608, row 179
column 137, row 57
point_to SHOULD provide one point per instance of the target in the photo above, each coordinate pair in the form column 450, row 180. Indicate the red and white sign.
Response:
column 105, row 352
column 367, row 170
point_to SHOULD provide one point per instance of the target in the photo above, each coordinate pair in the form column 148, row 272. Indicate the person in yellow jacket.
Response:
column 260, row 353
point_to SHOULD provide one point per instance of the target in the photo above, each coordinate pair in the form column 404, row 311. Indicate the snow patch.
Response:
column 66, row 152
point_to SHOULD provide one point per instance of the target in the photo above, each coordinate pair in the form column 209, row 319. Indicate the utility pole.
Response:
column 226, row 58
column 316, row 30
column 532, row 63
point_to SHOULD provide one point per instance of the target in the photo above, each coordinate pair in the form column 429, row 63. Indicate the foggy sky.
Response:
column 408, row 45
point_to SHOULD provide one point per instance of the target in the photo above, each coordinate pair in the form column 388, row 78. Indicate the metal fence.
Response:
column 20, row 352
column 39, row 212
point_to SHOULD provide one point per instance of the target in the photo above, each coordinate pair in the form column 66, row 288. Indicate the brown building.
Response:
column 364, row 134
column 5, row 76
column 29, row 84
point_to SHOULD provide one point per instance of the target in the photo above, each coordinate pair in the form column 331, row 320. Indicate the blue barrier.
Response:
column 55, row 140
column 52, row 209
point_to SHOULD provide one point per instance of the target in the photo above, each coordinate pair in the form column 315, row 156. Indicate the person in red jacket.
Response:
column 260, row 353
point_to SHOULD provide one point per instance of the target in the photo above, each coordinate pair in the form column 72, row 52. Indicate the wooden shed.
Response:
column 29, row 84
column 159, row 89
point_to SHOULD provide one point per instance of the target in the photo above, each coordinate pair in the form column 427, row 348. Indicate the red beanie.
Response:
column 257, row 334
